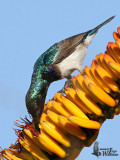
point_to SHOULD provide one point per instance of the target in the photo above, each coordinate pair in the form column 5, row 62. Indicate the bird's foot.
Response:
column 68, row 83
column 80, row 69
column 61, row 91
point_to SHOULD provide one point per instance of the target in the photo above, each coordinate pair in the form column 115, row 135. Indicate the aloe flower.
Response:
column 72, row 121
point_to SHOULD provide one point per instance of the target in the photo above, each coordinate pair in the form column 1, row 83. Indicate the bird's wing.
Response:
column 68, row 46
column 59, row 51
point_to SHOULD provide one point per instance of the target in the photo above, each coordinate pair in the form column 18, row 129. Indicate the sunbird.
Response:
column 58, row 62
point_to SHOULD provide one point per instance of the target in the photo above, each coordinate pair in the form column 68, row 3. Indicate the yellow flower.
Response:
column 75, row 118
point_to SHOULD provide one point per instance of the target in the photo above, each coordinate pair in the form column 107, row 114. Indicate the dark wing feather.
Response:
column 68, row 46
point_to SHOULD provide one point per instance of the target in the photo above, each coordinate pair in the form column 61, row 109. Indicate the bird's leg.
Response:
column 61, row 91
column 80, row 69
column 67, row 84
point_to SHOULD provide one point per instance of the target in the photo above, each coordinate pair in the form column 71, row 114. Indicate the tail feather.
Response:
column 100, row 25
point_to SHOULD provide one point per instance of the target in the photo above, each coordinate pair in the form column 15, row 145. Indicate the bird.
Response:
column 58, row 62
column 96, row 151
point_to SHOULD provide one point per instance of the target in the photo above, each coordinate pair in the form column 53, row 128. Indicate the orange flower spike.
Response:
column 6, row 156
column 35, row 140
column 68, row 95
column 112, row 50
column 45, row 108
column 116, row 50
column 77, row 101
column 74, row 110
column 94, row 74
column 9, row 153
column 84, row 122
column 90, row 75
column 107, row 78
column 51, row 144
column 89, row 102
column 100, row 83
column 101, row 57
column 73, row 99
column 51, row 121
column 87, row 71
column 66, row 126
column 111, row 53
column 58, row 97
column 98, row 60
column 54, row 117
column 80, row 79
column 72, row 128
column 118, row 42
column 75, row 82
column 118, row 29
column 61, row 109
column 54, row 132
column 107, row 58
column 114, row 66
column 117, row 110
column 50, row 105
column 45, row 117
column 100, row 94
column 94, row 62
column 87, row 80
column 111, row 72
column 116, row 35
column 29, row 137
column 18, row 154
column 30, row 147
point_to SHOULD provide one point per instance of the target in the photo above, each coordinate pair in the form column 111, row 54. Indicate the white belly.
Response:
column 73, row 62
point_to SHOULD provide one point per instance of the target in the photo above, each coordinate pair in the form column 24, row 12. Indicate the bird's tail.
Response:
column 100, row 25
